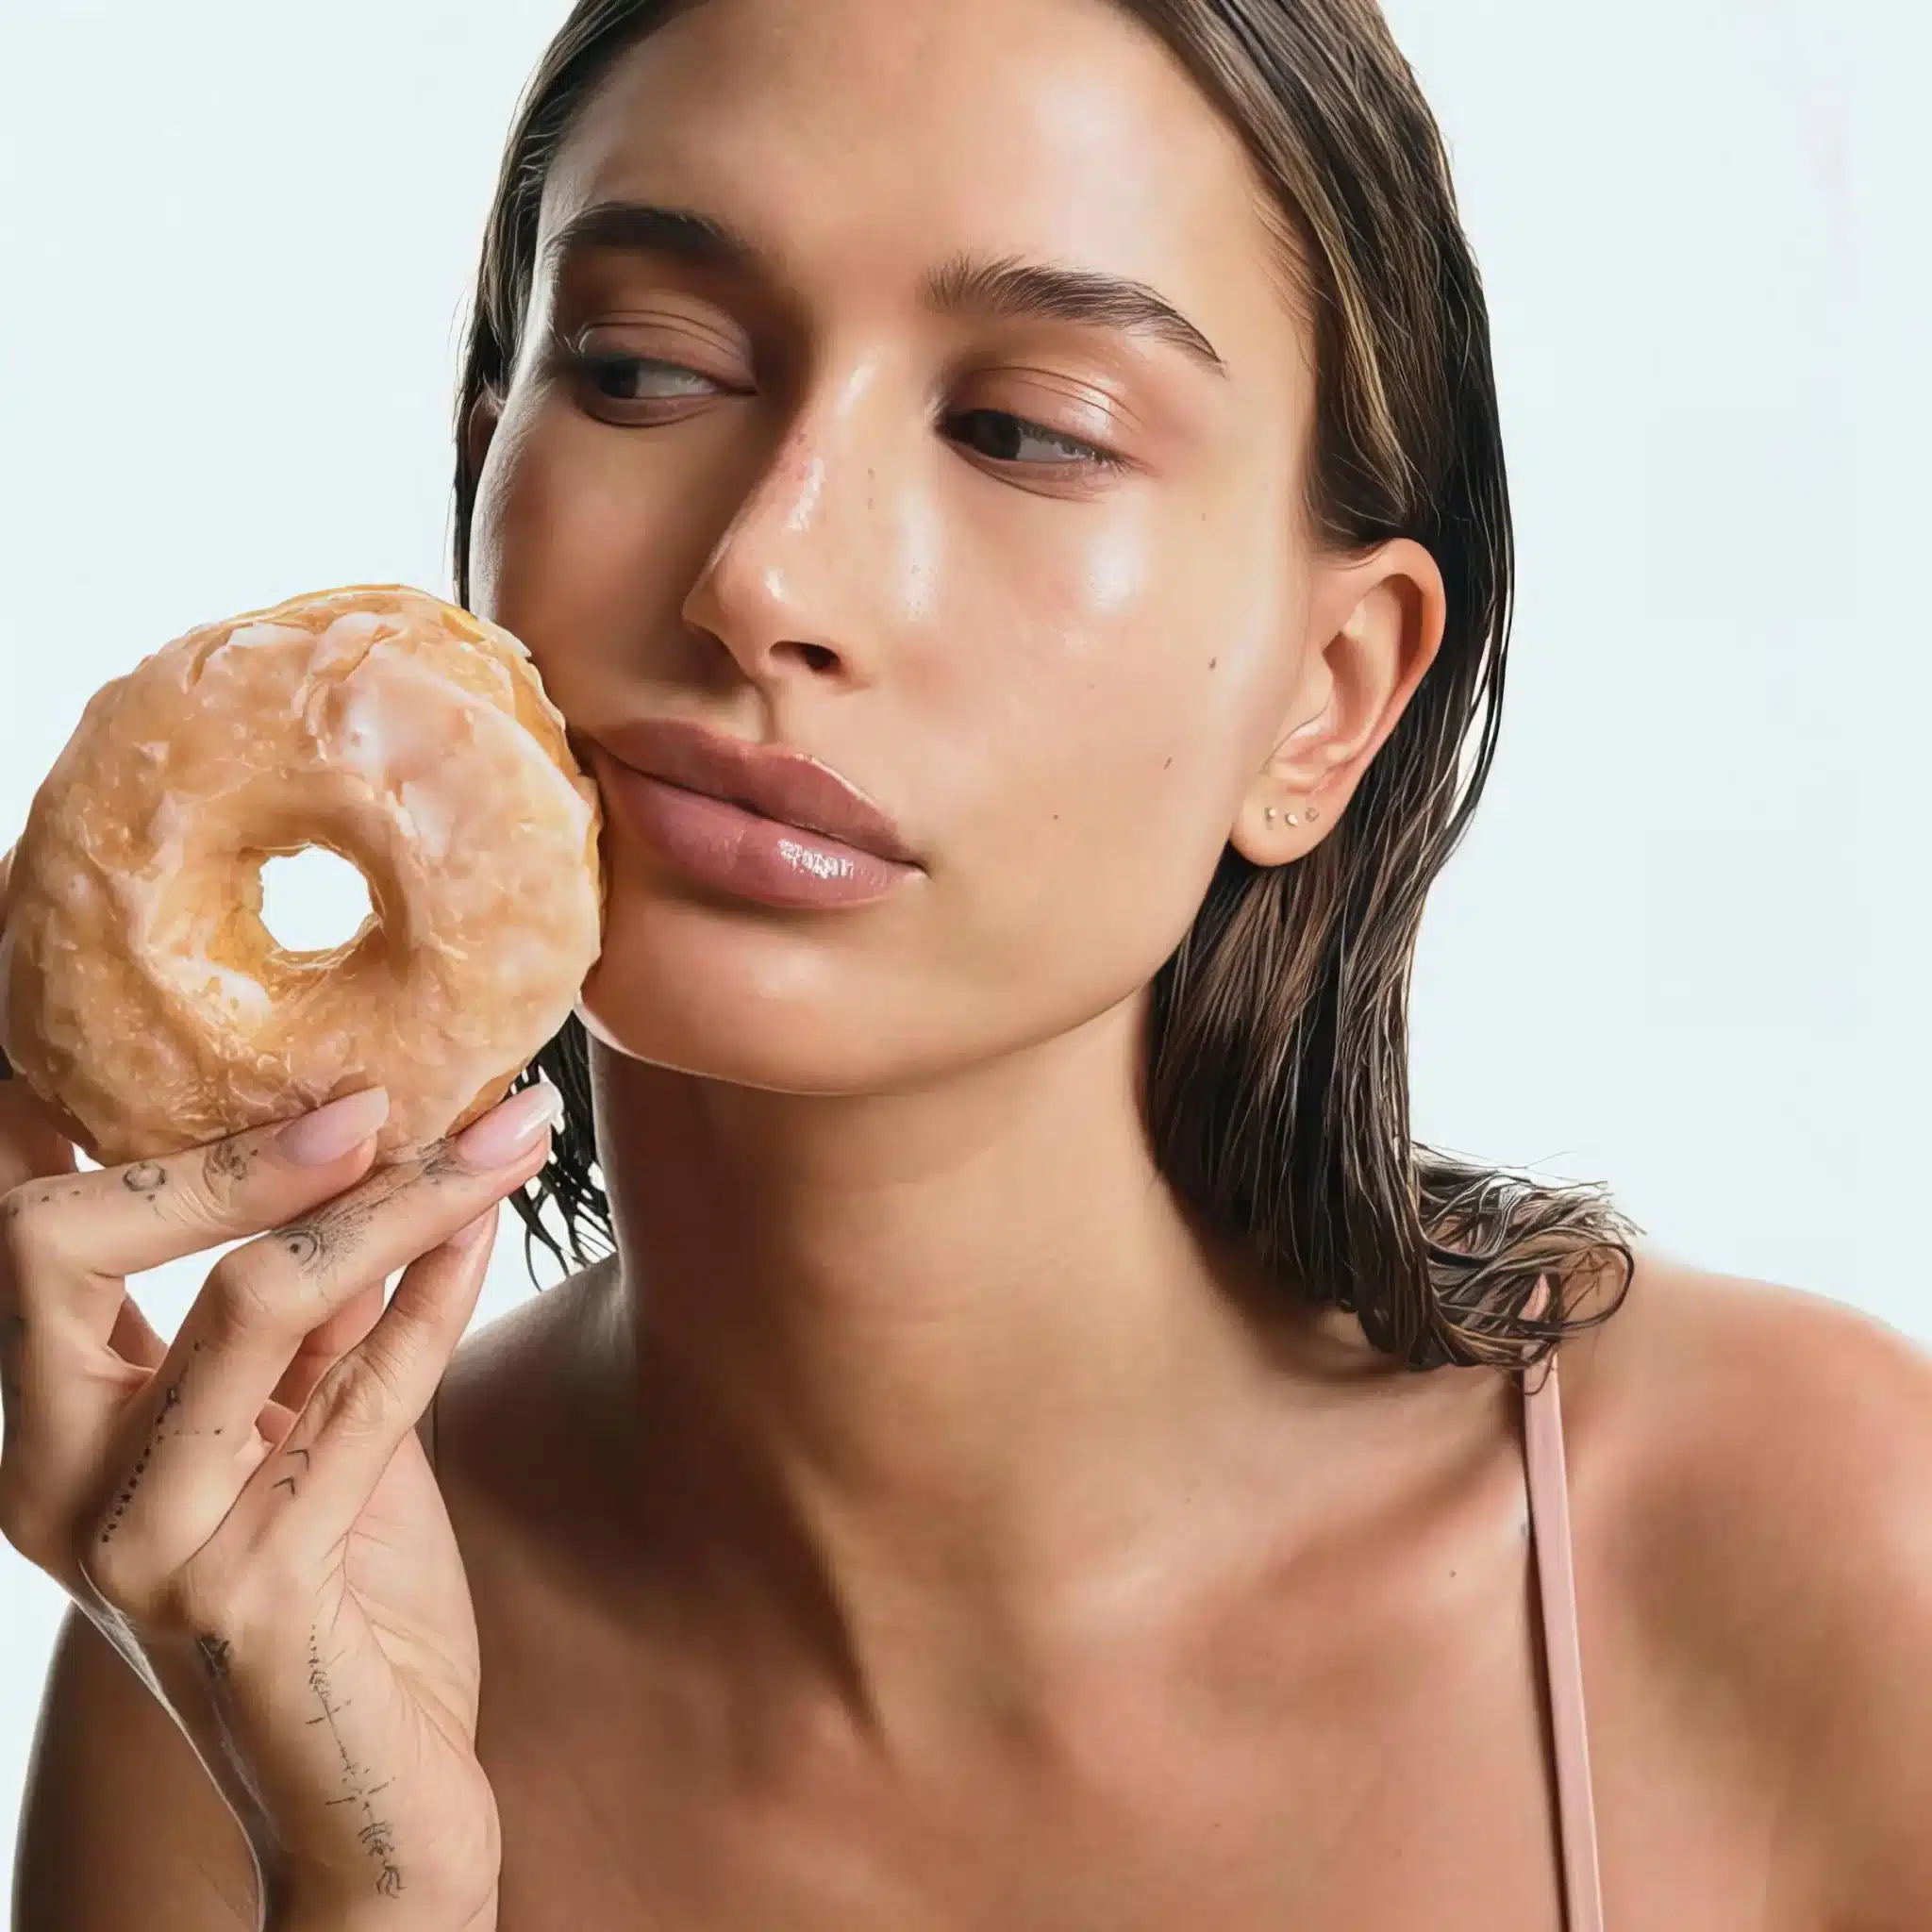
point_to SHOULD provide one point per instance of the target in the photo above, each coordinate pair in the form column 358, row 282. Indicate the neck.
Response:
column 946, row 1357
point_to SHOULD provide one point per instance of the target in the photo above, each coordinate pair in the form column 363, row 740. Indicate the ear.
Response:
column 479, row 426
column 1376, row 623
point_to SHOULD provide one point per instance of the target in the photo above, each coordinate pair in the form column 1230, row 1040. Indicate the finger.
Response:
column 318, row 1275
column 321, row 1475
column 118, row 1220
column 133, row 1341
column 323, row 1346
column 178, row 1444
column 77, row 1351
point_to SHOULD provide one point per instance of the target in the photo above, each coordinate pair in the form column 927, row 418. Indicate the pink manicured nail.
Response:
column 510, row 1128
column 330, row 1132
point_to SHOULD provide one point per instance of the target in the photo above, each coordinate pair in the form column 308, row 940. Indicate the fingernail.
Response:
column 331, row 1131
column 510, row 1128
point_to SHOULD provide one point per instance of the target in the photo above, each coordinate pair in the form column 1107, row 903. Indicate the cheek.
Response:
column 563, row 549
column 1126, row 667
column 1117, row 682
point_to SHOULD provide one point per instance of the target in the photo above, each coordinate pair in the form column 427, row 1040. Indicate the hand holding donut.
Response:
column 247, row 1514
column 275, row 1561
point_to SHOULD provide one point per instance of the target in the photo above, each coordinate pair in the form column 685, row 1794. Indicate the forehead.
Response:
column 865, row 140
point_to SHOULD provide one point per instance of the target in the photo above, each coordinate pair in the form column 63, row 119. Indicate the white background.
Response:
column 1682, row 950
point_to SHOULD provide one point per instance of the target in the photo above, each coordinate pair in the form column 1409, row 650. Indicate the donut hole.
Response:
column 313, row 900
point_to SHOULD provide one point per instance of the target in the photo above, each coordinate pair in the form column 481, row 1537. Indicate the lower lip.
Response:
column 745, row 852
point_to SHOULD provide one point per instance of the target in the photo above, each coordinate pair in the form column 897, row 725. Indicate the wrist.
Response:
column 374, row 1915
column 305, row 1918
column 324, row 1903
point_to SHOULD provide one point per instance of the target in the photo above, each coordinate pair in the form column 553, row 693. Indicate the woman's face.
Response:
column 1032, row 577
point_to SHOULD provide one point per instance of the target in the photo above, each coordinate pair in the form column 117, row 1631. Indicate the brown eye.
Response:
column 1007, row 438
column 639, row 379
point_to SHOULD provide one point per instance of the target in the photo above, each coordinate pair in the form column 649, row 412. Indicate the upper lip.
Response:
column 781, row 783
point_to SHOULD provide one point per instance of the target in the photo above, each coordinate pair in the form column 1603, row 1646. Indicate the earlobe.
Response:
column 1366, row 668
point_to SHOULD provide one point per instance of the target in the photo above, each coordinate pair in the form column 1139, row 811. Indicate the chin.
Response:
column 825, row 1004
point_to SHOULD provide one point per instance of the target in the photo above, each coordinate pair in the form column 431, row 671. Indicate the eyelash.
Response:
column 1090, row 456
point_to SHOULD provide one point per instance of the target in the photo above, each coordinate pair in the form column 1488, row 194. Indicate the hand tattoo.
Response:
column 377, row 1833
column 171, row 1400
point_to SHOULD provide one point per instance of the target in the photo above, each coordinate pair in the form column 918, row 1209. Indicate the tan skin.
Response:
column 924, row 1522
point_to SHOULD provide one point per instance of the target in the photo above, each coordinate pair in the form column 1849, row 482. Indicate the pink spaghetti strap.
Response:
column 1549, row 1510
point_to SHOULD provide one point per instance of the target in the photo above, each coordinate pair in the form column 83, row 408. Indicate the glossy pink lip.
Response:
column 780, row 784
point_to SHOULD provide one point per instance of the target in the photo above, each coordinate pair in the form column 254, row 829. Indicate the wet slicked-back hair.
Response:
column 1278, row 1047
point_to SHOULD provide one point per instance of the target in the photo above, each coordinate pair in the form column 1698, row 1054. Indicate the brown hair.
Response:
column 1278, row 1071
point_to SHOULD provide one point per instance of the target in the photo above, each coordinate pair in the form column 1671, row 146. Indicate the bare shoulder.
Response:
column 1772, row 1451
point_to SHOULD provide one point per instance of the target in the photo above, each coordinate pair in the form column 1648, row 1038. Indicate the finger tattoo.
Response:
column 225, row 1165
column 324, row 1237
column 439, row 1162
column 21, row 1200
column 307, row 1243
column 288, row 1482
column 171, row 1400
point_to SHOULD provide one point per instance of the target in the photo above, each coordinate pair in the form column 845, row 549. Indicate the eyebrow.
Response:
column 1046, row 291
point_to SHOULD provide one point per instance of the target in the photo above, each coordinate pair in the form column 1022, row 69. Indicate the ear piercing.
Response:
column 1293, row 818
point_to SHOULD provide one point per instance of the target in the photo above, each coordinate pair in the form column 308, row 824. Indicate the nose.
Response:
column 799, row 572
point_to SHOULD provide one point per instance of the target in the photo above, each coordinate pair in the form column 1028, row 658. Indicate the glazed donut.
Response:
column 141, row 996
